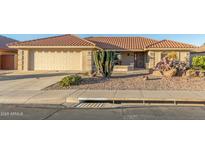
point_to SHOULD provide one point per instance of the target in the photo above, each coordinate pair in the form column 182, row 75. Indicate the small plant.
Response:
column 70, row 80
column 198, row 62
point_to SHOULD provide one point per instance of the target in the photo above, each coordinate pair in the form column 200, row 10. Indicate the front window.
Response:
column 171, row 55
column 118, row 58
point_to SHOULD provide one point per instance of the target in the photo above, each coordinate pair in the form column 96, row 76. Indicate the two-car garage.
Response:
column 55, row 60
column 66, row 52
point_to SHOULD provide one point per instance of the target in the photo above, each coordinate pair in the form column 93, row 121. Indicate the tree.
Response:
column 104, row 62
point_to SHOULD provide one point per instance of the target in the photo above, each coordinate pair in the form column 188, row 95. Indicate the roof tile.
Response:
column 170, row 44
column 122, row 43
column 63, row 40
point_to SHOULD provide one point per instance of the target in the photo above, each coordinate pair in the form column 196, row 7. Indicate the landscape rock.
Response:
column 191, row 73
column 201, row 74
column 157, row 73
column 167, row 64
column 170, row 73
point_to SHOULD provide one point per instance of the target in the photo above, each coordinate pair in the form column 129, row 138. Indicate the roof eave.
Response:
column 49, row 47
column 186, row 49
column 133, row 50
column 7, row 49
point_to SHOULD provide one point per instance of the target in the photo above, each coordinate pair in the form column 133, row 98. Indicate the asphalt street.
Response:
column 22, row 112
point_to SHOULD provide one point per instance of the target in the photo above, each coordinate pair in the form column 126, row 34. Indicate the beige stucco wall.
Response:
column 155, row 56
column 87, row 61
column 77, row 60
column 20, row 60
column 23, row 60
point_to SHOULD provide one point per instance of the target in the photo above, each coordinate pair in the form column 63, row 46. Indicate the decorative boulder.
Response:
column 157, row 73
column 201, row 74
column 170, row 73
column 169, row 64
column 191, row 73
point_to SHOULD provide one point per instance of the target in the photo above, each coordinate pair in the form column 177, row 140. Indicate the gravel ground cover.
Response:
column 137, row 82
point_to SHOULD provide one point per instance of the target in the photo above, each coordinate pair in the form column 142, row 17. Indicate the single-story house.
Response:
column 70, row 52
column 198, row 52
column 8, row 56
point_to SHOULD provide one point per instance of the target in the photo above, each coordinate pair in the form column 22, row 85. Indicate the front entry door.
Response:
column 139, row 60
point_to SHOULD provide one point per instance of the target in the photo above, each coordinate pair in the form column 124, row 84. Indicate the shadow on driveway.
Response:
column 16, row 77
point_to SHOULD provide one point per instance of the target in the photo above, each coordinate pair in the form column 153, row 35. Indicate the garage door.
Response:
column 56, row 60
column 7, row 62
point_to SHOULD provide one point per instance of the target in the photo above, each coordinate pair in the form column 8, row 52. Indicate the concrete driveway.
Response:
column 29, row 80
column 26, row 88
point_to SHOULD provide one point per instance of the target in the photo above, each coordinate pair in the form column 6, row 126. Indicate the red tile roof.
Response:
column 200, row 49
column 135, row 43
column 170, row 44
column 122, row 43
column 63, row 40
column 107, row 43
column 4, row 41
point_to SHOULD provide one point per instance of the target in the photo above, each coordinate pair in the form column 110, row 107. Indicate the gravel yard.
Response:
column 137, row 82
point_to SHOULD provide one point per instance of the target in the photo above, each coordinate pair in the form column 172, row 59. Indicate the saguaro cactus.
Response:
column 104, row 62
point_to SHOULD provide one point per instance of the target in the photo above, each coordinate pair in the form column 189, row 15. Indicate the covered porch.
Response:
column 130, row 60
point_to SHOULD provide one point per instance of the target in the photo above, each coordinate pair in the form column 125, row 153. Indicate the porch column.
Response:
column 15, row 61
column 89, row 61
column 151, row 59
column 20, row 60
column 23, row 60
column 25, row 57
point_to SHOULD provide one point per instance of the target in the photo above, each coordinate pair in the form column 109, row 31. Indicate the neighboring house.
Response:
column 198, row 52
column 8, row 57
column 69, row 52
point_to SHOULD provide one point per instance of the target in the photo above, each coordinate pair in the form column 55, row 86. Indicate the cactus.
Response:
column 104, row 62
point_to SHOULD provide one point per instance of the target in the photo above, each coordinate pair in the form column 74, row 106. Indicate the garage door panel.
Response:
column 7, row 62
column 57, row 60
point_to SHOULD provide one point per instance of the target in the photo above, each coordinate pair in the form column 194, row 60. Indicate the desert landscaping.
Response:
column 137, row 82
column 169, row 74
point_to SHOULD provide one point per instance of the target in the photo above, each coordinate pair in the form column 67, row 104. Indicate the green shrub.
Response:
column 70, row 80
column 198, row 62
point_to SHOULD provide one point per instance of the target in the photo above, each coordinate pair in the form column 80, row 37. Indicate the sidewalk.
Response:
column 66, row 97
column 53, row 97
column 137, row 95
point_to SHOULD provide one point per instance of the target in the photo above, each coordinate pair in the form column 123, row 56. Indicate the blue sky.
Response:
column 196, row 39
